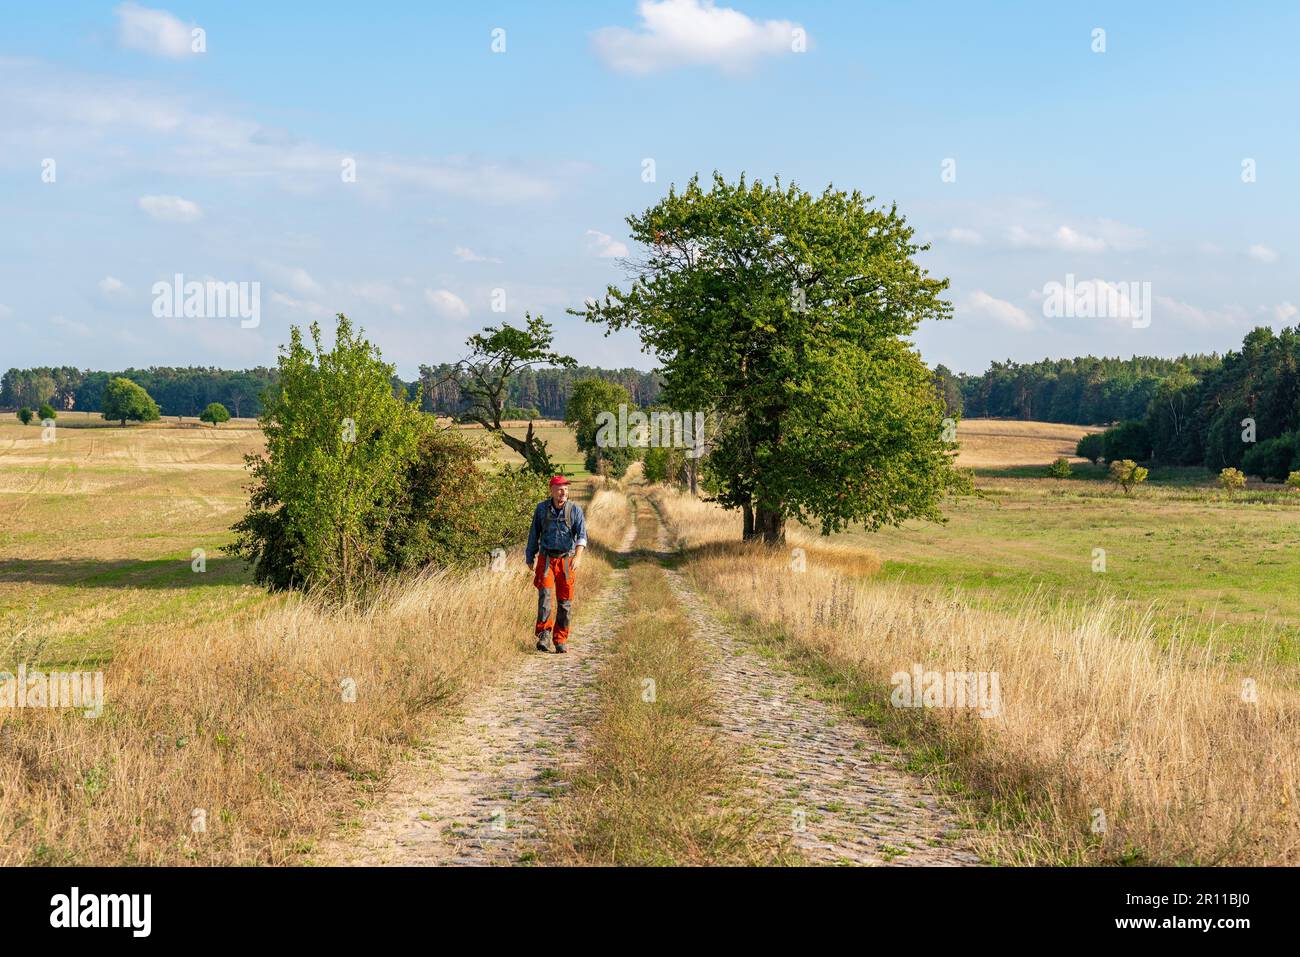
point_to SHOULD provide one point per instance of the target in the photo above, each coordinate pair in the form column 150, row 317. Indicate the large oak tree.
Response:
column 787, row 314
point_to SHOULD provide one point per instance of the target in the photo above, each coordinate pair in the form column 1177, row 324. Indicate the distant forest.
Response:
column 1192, row 408
column 187, row 391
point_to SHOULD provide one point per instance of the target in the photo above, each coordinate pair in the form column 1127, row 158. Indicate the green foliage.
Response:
column 452, row 513
column 1128, row 440
column 1272, row 459
column 784, row 315
column 497, row 355
column 514, row 412
column 1091, row 447
column 1084, row 390
column 46, row 411
column 25, row 415
column 216, row 413
column 1231, row 480
column 124, row 400
column 1060, row 468
column 663, row 464
column 357, row 483
column 1127, row 474
column 339, row 444
column 590, row 399
column 1293, row 481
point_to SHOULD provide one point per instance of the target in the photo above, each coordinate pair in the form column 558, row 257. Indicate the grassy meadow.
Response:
column 218, row 697
column 1227, row 569
column 1123, row 687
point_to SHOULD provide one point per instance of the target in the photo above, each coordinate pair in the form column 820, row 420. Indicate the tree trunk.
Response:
column 771, row 524
column 749, row 522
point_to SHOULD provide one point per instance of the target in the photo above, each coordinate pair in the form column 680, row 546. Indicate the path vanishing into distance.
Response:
column 479, row 792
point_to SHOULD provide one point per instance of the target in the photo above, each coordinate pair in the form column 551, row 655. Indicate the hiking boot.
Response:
column 560, row 649
column 544, row 641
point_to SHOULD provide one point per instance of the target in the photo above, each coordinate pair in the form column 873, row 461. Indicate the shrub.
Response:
column 338, row 447
column 1293, row 481
column 124, row 399
column 1060, row 468
column 25, row 415
column 1128, row 440
column 46, row 411
column 1127, row 474
column 664, row 464
column 357, row 484
column 216, row 413
column 1272, row 459
column 1091, row 447
column 451, row 512
column 1232, row 480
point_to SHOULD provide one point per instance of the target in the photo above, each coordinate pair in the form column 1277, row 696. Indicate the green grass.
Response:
column 1231, row 566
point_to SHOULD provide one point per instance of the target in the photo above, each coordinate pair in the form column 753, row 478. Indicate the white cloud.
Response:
column 298, row 305
column 5, row 311
column 79, row 329
column 171, row 209
column 1100, row 236
column 295, row 278
column 966, row 237
column 131, row 126
column 468, row 255
column 156, row 32
column 1064, row 238
column 1006, row 313
column 692, row 32
column 446, row 304
column 112, row 286
column 1284, row 311
column 1198, row 317
column 1262, row 253
column 379, row 293
column 604, row 245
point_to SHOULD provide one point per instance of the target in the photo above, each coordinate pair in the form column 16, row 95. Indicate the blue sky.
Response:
column 479, row 170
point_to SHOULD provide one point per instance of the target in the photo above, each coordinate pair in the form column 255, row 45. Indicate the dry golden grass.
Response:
column 246, row 721
column 1096, row 713
column 1001, row 443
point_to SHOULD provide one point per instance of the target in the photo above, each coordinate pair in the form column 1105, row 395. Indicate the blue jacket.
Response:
column 558, row 538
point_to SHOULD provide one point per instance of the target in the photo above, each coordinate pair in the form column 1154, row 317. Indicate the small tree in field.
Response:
column 124, row 399
column 1293, row 481
column 25, row 415
column 1232, row 481
column 46, row 411
column 338, row 446
column 356, row 482
column 1060, row 469
column 1091, row 447
column 589, row 399
column 216, row 413
column 1127, row 474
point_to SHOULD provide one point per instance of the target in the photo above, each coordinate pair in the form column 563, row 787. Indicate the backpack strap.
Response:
column 548, row 517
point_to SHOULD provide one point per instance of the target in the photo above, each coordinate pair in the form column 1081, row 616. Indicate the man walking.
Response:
column 555, row 543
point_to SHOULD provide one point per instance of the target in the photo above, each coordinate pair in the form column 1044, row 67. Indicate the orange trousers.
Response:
column 553, row 580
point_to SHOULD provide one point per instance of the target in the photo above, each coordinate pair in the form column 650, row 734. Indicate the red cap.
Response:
column 558, row 480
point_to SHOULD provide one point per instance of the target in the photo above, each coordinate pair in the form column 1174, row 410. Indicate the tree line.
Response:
column 545, row 391
column 188, row 391
column 1084, row 390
